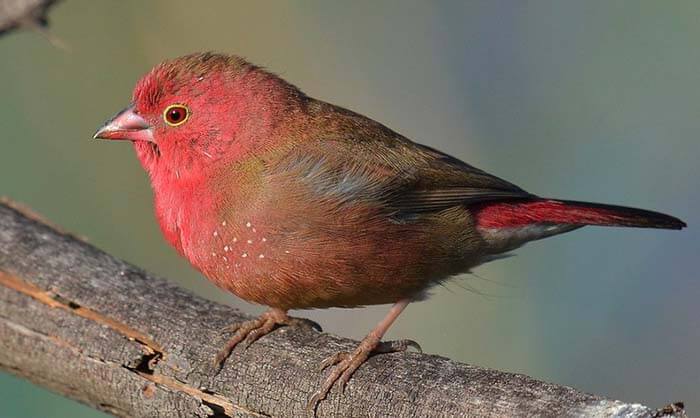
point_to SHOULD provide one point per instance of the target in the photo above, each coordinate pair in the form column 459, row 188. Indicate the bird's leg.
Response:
column 345, row 364
column 250, row 331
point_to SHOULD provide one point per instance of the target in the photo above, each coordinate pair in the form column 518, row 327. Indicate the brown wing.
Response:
column 350, row 157
column 404, row 177
column 444, row 181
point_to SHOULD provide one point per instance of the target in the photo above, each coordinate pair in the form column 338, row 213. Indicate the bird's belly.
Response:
column 317, row 267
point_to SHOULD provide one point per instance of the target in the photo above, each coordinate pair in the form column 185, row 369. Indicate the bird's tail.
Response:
column 513, row 223
column 512, row 214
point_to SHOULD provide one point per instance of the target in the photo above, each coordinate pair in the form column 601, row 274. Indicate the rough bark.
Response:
column 96, row 329
column 23, row 13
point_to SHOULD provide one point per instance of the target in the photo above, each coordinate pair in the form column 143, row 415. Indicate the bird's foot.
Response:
column 288, row 321
column 345, row 364
column 250, row 331
column 396, row 346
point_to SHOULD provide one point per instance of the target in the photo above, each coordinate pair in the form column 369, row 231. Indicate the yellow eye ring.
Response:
column 176, row 114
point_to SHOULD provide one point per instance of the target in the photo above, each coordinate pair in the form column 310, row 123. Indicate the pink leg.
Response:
column 347, row 363
column 250, row 331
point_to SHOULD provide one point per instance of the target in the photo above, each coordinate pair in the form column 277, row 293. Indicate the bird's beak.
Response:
column 126, row 125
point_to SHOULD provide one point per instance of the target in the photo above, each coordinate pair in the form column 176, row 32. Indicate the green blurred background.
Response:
column 592, row 100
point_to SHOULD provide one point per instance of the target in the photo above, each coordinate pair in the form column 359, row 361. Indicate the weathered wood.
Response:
column 108, row 334
column 18, row 13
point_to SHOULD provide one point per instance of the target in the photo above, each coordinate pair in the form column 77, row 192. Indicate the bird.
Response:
column 291, row 202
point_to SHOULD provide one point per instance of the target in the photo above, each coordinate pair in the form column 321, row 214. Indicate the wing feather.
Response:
column 360, row 160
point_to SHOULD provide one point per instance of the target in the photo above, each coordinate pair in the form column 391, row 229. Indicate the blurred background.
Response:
column 590, row 100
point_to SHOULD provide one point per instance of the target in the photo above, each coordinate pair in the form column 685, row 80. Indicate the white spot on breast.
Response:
column 223, row 223
column 226, row 248
column 235, row 239
column 244, row 255
column 261, row 256
column 250, row 241
column 216, row 233
column 286, row 251
column 248, row 224
column 225, row 259
column 264, row 239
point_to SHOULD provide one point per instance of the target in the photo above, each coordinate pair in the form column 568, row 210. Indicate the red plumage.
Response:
column 515, row 214
column 292, row 202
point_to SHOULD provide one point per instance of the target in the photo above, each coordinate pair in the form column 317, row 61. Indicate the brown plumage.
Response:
column 290, row 202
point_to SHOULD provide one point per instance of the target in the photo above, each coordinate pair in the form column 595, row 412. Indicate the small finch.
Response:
column 293, row 203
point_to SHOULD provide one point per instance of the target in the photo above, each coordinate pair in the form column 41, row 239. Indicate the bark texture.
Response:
column 96, row 329
column 23, row 13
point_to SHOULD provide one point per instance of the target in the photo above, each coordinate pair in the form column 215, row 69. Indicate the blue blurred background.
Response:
column 592, row 100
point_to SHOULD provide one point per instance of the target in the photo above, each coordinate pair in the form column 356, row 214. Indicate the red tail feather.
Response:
column 514, row 214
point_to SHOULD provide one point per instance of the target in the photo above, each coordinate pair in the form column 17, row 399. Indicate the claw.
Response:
column 345, row 378
column 313, row 401
column 415, row 346
column 250, row 331
column 304, row 323
column 396, row 346
column 333, row 360
column 345, row 364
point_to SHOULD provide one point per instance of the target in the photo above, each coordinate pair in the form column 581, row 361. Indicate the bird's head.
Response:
column 191, row 112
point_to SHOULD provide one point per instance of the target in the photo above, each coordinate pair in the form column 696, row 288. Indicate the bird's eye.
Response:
column 176, row 115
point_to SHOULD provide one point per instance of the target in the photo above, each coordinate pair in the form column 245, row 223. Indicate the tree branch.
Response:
column 23, row 13
column 106, row 333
